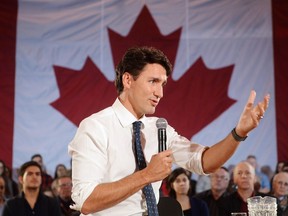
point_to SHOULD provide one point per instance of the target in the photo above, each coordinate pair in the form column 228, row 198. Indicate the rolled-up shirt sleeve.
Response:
column 89, row 160
column 186, row 154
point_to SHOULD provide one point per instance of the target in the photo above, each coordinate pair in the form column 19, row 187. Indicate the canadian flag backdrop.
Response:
column 58, row 60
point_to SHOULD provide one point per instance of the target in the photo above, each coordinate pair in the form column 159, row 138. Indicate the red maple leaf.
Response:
column 189, row 104
column 83, row 92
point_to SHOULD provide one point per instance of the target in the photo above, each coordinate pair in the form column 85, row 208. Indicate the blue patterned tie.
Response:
column 147, row 190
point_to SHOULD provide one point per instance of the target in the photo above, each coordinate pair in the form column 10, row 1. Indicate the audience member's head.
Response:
column 64, row 187
column 279, row 166
column 60, row 170
column 252, row 160
column 280, row 184
column 37, row 158
column 244, row 176
column 30, row 176
column 2, row 167
column 178, row 182
column 285, row 167
column 220, row 180
column 266, row 169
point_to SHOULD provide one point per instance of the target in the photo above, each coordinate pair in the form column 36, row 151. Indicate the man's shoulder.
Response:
column 98, row 117
column 14, row 201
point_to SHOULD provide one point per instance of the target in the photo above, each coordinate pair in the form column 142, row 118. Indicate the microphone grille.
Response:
column 161, row 123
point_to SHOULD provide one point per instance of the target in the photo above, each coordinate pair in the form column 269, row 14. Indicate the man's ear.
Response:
column 20, row 179
column 126, row 79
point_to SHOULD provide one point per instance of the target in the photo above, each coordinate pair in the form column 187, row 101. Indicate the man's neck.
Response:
column 217, row 193
column 245, row 194
column 31, row 195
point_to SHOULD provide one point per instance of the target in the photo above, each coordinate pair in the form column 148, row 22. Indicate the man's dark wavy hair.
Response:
column 135, row 59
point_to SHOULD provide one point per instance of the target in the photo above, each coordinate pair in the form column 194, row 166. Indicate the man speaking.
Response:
column 116, row 167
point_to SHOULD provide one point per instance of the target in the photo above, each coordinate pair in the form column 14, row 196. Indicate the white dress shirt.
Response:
column 102, row 151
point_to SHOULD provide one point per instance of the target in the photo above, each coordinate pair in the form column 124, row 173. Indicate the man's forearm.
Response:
column 215, row 156
column 109, row 194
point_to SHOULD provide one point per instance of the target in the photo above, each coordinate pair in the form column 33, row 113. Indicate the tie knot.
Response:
column 137, row 125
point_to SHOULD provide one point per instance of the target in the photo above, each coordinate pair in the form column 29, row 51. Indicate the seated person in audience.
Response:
column 11, row 187
column 64, row 187
column 280, row 191
column 179, row 187
column 60, row 171
column 31, row 201
column 214, row 197
column 244, row 178
column 2, row 194
column 263, row 185
column 285, row 167
column 279, row 166
column 46, row 178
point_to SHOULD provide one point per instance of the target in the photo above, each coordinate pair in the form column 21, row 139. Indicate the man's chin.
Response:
column 151, row 111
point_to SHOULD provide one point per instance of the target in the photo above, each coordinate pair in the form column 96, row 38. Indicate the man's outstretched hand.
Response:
column 252, row 114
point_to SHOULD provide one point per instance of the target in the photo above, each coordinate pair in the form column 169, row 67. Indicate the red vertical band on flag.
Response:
column 8, row 21
column 280, row 42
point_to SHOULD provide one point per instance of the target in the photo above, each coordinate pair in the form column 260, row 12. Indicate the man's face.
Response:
column 145, row 92
column 2, row 187
column 280, row 184
column 219, row 180
column 64, row 188
column 244, row 176
column 31, row 178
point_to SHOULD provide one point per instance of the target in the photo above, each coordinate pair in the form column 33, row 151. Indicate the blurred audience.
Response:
column 214, row 197
column 179, row 187
column 223, row 192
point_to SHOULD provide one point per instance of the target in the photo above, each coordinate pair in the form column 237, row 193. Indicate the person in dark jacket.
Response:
column 31, row 201
column 244, row 178
column 179, row 187
column 214, row 197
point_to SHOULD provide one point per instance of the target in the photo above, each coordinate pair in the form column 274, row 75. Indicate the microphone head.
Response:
column 161, row 123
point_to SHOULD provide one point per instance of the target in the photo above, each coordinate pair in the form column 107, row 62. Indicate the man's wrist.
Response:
column 236, row 136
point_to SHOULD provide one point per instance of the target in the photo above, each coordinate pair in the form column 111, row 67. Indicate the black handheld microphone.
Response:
column 161, row 124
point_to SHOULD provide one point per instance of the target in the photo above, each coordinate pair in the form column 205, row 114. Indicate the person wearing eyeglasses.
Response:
column 31, row 201
column 64, row 191
column 219, row 181
column 280, row 191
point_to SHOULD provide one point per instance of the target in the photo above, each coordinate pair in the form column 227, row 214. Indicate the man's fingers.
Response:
column 266, row 102
column 251, row 98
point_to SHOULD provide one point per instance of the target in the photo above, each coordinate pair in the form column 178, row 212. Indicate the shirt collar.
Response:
column 125, row 117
